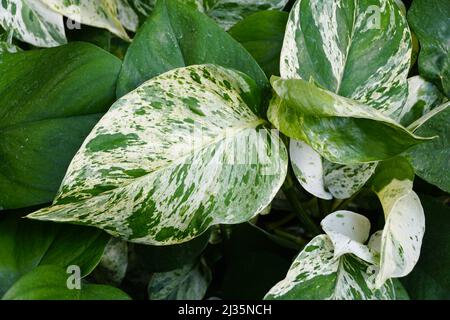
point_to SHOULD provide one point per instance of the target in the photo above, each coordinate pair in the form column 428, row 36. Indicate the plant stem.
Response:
column 291, row 194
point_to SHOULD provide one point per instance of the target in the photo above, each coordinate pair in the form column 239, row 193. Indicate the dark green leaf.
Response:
column 430, row 278
column 166, row 258
column 262, row 34
column 431, row 160
column 430, row 20
column 176, row 35
column 26, row 244
column 49, row 101
column 50, row 283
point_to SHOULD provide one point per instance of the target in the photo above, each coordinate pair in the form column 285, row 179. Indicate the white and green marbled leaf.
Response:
column 159, row 167
column 325, row 42
column 402, row 235
column 127, row 15
column 189, row 282
column 334, row 266
column 114, row 263
column 98, row 13
column 228, row 12
column 323, row 178
column 6, row 43
column 225, row 12
column 33, row 22
column 423, row 96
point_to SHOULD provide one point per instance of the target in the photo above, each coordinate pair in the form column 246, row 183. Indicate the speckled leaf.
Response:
column 340, row 129
column 6, row 43
column 343, row 181
column 330, row 42
column 431, row 159
column 159, row 167
column 404, row 228
column 28, row 244
column 227, row 12
column 113, row 265
column 176, row 35
column 325, row 41
column 262, row 35
column 97, row 13
column 33, row 22
column 44, row 118
column 189, row 282
column 50, row 283
column 317, row 274
column 308, row 168
column 126, row 15
column 323, row 178
column 423, row 97
column 430, row 20
column 348, row 231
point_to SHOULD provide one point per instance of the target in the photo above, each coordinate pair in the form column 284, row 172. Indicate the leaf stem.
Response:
column 291, row 194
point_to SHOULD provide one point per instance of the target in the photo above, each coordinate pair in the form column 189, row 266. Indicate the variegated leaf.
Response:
column 423, row 97
column 6, row 43
column 317, row 274
column 340, row 129
column 323, row 178
column 189, row 282
column 114, row 263
column 225, row 12
column 348, row 231
column 404, row 228
column 33, row 22
column 341, row 36
column 169, row 30
column 126, row 15
column 343, row 181
column 325, row 41
column 308, row 168
column 173, row 157
column 97, row 13
column 228, row 12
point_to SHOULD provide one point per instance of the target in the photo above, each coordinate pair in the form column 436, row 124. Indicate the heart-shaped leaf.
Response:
column 176, row 35
column 33, row 22
column 163, row 164
column 50, row 283
column 50, row 100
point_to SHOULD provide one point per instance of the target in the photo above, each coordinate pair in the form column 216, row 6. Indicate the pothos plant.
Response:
column 176, row 170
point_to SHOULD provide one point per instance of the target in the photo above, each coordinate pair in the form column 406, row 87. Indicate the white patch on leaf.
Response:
column 307, row 166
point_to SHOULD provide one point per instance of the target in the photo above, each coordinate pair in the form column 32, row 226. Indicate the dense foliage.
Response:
column 232, row 149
